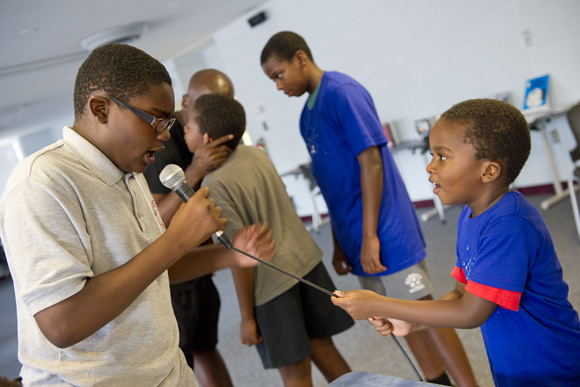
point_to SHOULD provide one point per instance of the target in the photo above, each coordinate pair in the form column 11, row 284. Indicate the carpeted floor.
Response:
column 362, row 347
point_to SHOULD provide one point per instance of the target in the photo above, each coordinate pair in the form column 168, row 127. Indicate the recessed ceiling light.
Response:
column 120, row 34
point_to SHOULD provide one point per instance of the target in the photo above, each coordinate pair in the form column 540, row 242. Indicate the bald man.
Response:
column 196, row 303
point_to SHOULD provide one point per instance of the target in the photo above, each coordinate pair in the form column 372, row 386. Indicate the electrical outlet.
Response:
column 528, row 38
column 555, row 136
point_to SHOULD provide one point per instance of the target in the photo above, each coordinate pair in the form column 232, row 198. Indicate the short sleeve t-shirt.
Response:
column 249, row 190
column 340, row 125
column 506, row 255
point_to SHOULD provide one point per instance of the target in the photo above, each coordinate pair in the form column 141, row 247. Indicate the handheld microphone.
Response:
column 173, row 177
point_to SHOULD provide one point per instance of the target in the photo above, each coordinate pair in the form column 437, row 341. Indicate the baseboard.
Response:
column 546, row 189
column 308, row 218
column 424, row 204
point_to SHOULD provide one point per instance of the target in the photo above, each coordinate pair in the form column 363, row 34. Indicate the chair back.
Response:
column 574, row 121
column 306, row 169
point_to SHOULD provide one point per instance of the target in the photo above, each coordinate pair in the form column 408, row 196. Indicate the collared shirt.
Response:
column 506, row 255
column 68, row 214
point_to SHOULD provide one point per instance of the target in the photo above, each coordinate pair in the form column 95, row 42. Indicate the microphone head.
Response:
column 171, row 176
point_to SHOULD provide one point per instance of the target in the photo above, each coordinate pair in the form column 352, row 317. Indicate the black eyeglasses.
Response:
column 159, row 124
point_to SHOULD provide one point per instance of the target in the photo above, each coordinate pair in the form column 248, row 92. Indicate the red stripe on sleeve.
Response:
column 507, row 299
column 458, row 274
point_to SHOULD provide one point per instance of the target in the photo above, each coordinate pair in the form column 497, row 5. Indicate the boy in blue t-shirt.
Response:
column 509, row 279
column 376, row 231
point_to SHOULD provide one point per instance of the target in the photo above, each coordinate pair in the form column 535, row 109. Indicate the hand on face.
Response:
column 255, row 240
column 210, row 154
column 197, row 219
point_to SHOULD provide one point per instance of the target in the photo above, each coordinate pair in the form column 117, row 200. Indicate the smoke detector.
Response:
column 120, row 34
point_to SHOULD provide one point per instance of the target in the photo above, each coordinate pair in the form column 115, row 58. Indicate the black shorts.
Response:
column 196, row 304
column 289, row 321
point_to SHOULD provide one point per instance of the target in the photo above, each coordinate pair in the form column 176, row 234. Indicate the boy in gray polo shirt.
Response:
column 90, row 258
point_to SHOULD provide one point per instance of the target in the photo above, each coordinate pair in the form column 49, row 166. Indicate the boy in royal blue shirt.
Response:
column 509, row 279
column 377, row 233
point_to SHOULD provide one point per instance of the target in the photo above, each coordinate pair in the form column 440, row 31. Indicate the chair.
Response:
column 306, row 171
column 574, row 121
column 317, row 219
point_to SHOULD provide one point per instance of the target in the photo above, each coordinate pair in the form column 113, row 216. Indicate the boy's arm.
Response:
column 105, row 296
column 371, row 180
column 456, row 293
column 386, row 326
column 244, row 282
column 255, row 240
column 207, row 157
column 454, row 310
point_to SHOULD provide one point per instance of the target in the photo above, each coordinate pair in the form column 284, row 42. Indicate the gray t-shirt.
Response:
column 249, row 190
column 69, row 214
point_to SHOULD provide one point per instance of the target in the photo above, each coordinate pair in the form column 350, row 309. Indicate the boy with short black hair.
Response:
column 216, row 116
column 290, row 323
column 89, row 255
column 376, row 232
column 509, row 279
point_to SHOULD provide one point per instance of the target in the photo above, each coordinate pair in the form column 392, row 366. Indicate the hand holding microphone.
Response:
column 256, row 238
column 173, row 177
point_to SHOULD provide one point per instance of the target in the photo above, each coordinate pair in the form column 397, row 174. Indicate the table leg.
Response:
column 560, row 193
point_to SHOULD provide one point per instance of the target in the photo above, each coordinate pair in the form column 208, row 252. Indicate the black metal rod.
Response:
column 407, row 357
column 285, row 272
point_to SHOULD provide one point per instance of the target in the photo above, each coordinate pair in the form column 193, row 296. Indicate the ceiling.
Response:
column 40, row 48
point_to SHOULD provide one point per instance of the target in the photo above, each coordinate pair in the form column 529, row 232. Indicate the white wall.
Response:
column 417, row 58
column 14, row 149
column 11, row 154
